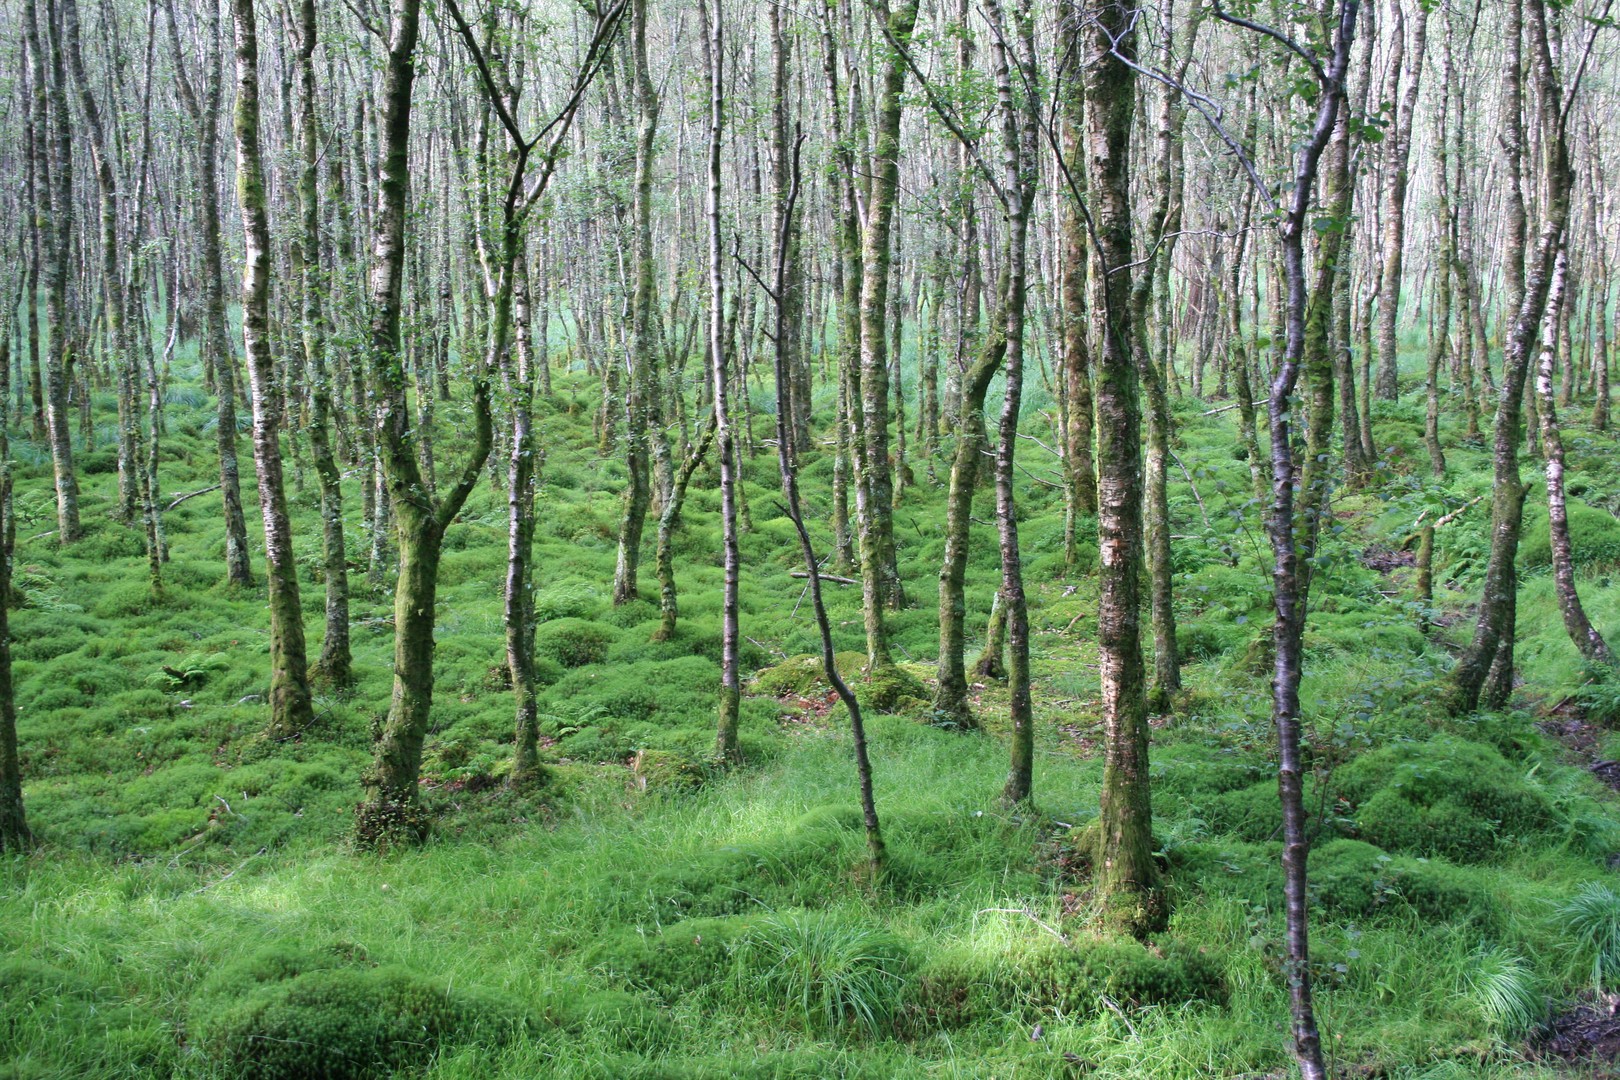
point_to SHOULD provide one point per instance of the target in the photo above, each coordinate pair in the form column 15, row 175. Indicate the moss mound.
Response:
column 283, row 1015
column 574, row 642
column 1355, row 878
column 1445, row 798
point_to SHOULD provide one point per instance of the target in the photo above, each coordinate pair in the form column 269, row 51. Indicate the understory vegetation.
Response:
column 195, row 908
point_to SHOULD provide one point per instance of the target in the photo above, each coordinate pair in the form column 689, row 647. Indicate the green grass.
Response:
column 643, row 915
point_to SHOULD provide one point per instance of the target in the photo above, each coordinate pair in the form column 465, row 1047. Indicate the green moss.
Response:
column 347, row 1023
column 1444, row 797
column 890, row 689
column 574, row 642
column 1353, row 878
column 1594, row 538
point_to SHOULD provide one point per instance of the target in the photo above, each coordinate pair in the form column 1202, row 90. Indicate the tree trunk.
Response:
column 1593, row 648
column 391, row 812
column 881, row 588
column 1127, row 877
column 291, row 709
column 642, row 402
column 1488, row 660
column 727, row 747
column 1394, row 199
column 334, row 665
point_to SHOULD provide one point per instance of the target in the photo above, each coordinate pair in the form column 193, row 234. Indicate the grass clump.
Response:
column 1591, row 918
column 828, row 971
column 1505, row 991
column 966, row 985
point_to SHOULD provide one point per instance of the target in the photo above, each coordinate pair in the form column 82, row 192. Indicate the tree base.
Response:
column 381, row 824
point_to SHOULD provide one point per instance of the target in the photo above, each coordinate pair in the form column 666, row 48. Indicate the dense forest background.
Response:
column 873, row 538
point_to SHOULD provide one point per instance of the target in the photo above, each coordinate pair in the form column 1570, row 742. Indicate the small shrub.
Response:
column 574, row 642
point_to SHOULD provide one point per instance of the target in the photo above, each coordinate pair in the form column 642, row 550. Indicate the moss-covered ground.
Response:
column 194, row 909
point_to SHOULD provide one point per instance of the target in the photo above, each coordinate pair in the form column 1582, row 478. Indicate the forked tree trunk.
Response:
column 391, row 812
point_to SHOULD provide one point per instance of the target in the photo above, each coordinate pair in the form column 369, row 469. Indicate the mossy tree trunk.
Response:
column 219, row 369
column 335, row 665
column 1486, row 666
column 291, row 709
column 1128, row 881
column 642, row 402
column 880, row 580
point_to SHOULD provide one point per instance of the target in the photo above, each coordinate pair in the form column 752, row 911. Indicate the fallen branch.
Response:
column 1442, row 521
column 190, row 495
column 1229, row 408
column 1026, row 913
column 826, row 577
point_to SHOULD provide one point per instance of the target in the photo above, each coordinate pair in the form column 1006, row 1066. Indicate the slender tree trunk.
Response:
column 727, row 747
column 291, row 709
column 334, row 664
column 877, row 854
column 55, row 225
column 1593, row 648
column 219, row 369
column 1394, row 200
column 642, row 411
column 14, row 834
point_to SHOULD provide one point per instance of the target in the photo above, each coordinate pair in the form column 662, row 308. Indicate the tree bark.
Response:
column 1394, row 199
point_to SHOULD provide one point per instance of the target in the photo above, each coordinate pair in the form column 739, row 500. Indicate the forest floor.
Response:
column 195, row 909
